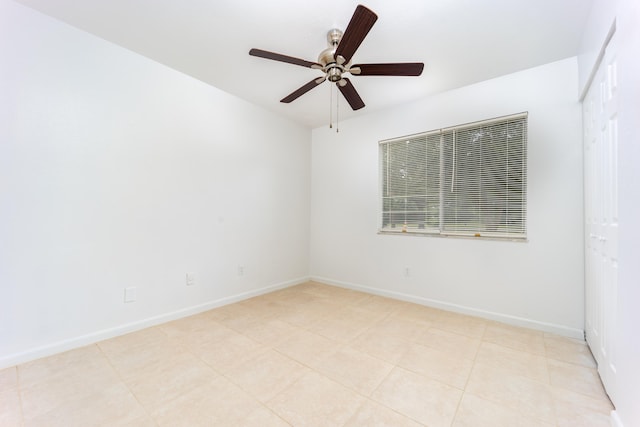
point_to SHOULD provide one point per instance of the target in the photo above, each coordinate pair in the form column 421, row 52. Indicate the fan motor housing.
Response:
column 327, row 56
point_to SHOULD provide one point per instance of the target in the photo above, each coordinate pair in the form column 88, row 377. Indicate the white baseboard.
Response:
column 81, row 341
column 615, row 420
column 499, row 317
column 84, row 340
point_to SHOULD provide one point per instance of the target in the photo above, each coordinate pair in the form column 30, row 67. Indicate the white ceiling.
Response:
column 460, row 41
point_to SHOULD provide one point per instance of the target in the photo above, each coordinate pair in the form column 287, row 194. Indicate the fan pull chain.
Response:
column 330, row 106
column 337, row 112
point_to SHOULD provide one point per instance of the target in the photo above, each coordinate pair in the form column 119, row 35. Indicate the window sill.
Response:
column 455, row 236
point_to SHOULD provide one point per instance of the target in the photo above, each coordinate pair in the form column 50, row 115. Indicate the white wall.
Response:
column 537, row 284
column 598, row 27
column 626, row 14
column 116, row 171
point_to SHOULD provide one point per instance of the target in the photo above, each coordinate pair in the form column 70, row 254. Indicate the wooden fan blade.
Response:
column 394, row 69
column 301, row 91
column 351, row 95
column 358, row 28
column 283, row 58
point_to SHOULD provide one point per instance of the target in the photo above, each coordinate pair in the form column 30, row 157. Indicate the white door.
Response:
column 600, row 110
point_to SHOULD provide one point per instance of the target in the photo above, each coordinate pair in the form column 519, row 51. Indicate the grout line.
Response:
column 19, row 390
column 144, row 408
column 473, row 367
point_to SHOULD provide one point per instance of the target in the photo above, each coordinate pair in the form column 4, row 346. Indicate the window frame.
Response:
column 520, row 233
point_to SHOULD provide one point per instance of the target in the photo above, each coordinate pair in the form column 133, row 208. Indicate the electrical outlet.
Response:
column 130, row 294
column 240, row 270
column 191, row 279
column 407, row 272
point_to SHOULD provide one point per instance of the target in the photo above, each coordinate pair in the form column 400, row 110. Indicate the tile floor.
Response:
column 313, row 355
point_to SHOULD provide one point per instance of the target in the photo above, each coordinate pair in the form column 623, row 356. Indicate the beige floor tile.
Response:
column 146, row 360
column 324, row 306
column 399, row 327
column 372, row 414
column 271, row 332
column 267, row 375
column 195, row 330
column 261, row 417
column 301, row 316
column 316, row 288
column 51, row 382
column 234, row 310
column 569, row 350
column 228, row 353
column 308, row 348
column 442, row 366
column 569, row 415
column 8, row 378
column 377, row 304
column 75, row 363
column 416, row 313
column 186, row 325
column 346, row 324
column 134, row 341
column 354, row 369
column 598, row 404
column 578, row 410
column 46, row 396
column 451, row 342
column 522, row 339
column 144, row 421
column 372, row 317
column 477, row 412
column 295, row 297
column 299, row 294
column 219, row 402
column 513, row 361
column 10, row 408
column 241, row 321
column 530, row 398
column 425, row 400
column 262, row 305
column 576, row 378
column 473, row 327
column 382, row 345
column 112, row 406
column 315, row 400
column 170, row 380
column 213, row 314
column 340, row 295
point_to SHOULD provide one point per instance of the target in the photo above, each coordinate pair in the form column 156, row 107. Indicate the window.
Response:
column 467, row 180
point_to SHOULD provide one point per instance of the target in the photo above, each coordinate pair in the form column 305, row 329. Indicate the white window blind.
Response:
column 467, row 180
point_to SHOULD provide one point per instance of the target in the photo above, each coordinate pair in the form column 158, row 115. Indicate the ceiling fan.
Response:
column 335, row 61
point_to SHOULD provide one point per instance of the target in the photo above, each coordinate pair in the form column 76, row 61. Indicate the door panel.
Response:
column 600, row 110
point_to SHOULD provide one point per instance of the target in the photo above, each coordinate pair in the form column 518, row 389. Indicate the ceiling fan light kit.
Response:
column 335, row 60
